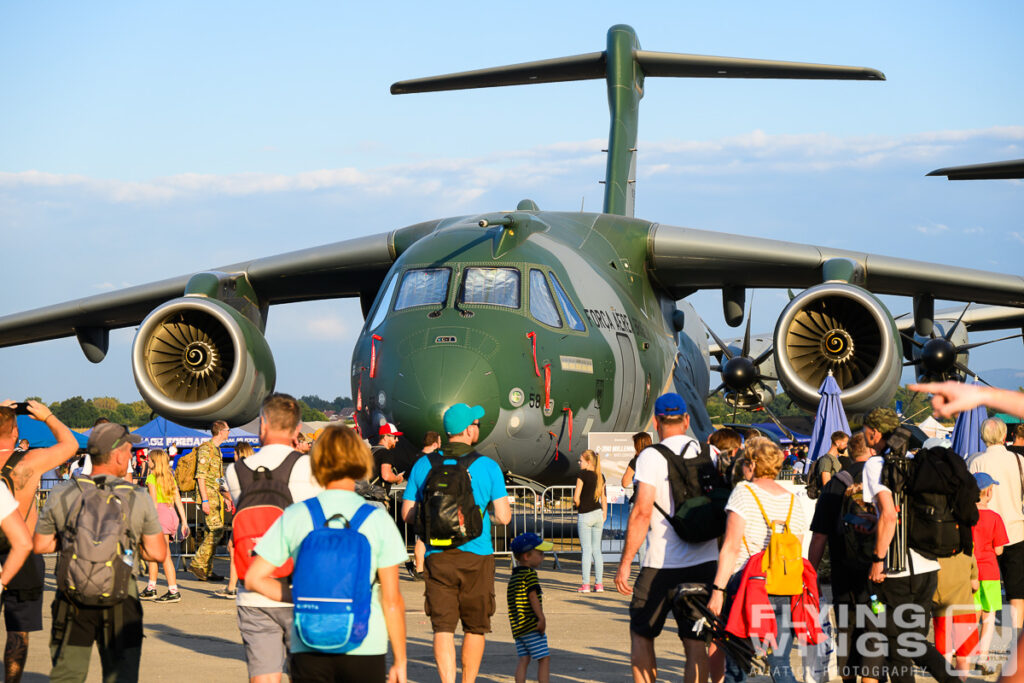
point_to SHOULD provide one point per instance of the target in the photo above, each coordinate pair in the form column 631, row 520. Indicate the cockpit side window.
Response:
column 383, row 304
column 542, row 304
column 572, row 318
column 494, row 286
column 423, row 287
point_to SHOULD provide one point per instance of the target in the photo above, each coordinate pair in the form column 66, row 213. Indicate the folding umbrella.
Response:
column 967, row 431
column 829, row 418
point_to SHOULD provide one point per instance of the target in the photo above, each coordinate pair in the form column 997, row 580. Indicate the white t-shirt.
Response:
column 755, row 530
column 665, row 550
column 999, row 462
column 302, row 485
column 872, row 477
column 7, row 502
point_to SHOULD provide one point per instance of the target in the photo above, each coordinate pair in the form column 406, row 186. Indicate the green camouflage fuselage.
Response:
column 603, row 377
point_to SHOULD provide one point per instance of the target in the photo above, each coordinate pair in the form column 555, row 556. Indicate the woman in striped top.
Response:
column 747, row 534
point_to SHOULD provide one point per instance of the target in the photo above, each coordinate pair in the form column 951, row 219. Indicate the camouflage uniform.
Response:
column 209, row 468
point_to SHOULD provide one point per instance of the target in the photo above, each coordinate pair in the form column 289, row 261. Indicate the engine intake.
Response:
column 844, row 329
column 196, row 360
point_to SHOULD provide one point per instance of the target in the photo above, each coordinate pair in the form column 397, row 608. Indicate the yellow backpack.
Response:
column 783, row 560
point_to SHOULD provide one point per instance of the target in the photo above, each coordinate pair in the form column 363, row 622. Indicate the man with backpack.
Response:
column 842, row 521
column 101, row 525
column 22, row 597
column 670, row 560
column 822, row 470
column 209, row 471
column 451, row 498
column 263, row 485
column 904, row 596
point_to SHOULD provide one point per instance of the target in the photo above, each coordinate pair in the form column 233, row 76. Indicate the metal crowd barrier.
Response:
column 550, row 514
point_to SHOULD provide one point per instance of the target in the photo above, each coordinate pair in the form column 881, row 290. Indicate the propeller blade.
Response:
column 778, row 423
column 764, row 356
column 912, row 362
column 967, row 347
column 912, row 340
column 716, row 368
column 746, row 333
column 949, row 332
column 718, row 340
column 963, row 368
column 767, row 377
column 716, row 389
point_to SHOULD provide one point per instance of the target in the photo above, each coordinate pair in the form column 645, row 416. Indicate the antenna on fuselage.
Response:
column 623, row 66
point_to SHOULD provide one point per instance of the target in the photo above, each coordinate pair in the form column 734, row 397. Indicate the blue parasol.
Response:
column 829, row 418
column 967, row 431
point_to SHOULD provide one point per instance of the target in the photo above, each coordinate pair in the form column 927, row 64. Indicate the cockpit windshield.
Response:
column 542, row 304
column 572, row 318
column 493, row 286
column 423, row 287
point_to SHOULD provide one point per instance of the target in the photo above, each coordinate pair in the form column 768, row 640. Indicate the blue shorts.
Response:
column 532, row 644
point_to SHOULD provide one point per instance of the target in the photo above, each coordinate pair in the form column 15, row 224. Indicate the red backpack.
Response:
column 264, row 496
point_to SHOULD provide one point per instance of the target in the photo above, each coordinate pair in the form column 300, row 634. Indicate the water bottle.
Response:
column 127, row 557
column 877, row 606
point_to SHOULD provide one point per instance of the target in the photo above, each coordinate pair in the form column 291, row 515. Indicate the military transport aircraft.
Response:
column 558, row 323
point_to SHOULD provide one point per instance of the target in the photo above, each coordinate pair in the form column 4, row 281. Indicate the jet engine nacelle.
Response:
column 844, row 329
column 197, row 359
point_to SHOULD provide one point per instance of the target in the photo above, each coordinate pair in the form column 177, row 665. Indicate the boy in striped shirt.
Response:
column 525, row 611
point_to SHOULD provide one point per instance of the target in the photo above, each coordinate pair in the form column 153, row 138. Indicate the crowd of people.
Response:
column 914, row 541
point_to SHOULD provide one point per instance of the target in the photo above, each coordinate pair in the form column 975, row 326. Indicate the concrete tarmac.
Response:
column 588, row 633
column 197, row 639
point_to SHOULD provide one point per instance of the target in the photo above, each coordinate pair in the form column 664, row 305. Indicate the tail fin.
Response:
column 623, row 65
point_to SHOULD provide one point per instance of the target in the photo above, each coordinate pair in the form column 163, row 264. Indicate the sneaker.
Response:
column 148, row 594
column 198, row 572
column 215, row 577
column 169, row 597
column 585, row 588
column 410, row 568
column 599, row 588
column 227, row 593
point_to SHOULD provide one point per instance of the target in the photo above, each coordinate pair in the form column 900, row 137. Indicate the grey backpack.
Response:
column 94, row 568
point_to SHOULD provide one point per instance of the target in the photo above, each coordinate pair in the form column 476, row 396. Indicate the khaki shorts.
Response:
column 459, row 586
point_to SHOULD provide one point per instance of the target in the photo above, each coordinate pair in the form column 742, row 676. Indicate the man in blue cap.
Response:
column 670, row 560
column 459, row 576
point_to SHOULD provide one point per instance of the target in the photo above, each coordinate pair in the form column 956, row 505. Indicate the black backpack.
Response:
column 448, row 515
column 814, row 477
column 940, row 497
column 857, row 520
column 5, row 475
column 698, row 492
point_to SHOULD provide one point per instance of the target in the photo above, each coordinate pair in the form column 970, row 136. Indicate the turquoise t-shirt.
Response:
column 283, row 539
column 488, row 484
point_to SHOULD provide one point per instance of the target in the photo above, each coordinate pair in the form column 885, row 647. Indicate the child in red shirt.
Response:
column 989, row 538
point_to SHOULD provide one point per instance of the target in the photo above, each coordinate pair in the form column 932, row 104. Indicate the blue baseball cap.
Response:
column 984, row 480
column 460, row 416
column 670, row 404
column 525, row 542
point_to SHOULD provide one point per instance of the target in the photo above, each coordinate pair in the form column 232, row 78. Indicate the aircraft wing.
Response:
column 996, row 170
column 335, row 270
column 683, row 260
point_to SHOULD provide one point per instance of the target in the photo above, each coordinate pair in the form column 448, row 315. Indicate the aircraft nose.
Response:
column 432, row 379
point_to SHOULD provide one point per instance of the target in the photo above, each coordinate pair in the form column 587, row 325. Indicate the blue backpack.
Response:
column 331, row 585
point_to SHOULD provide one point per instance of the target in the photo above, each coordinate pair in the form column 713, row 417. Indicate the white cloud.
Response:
column 1017, row 236
column 934, row 229
column 461, row 179
column 327, row 328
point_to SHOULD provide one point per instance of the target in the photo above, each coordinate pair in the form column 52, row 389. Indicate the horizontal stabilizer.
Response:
column 578, row 68
column 705, row 66
column 997, row 170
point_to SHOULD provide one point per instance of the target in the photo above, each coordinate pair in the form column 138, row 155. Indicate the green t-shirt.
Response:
column 161, row 497
column 283, row 539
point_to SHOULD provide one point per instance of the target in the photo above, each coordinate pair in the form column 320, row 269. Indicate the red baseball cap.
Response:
column 388, row 429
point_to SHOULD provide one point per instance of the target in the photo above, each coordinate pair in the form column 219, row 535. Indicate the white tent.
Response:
column 933, row 427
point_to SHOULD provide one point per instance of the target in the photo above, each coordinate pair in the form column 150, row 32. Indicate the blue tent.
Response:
column 781, row 435
column 40, row 436
column 829, row 418
column 967, row 431
column 239, row 435
column 161, row 433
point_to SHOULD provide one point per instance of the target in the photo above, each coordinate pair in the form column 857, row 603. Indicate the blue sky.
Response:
column 144, row 140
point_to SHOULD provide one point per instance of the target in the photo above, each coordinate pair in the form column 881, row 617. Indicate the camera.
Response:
column 21, row 408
